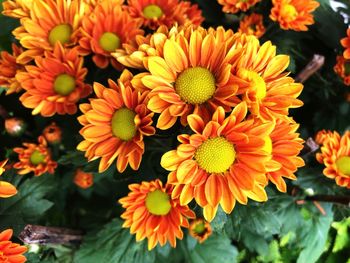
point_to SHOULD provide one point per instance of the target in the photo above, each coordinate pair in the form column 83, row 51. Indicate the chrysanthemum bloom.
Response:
column 200, row 230
column 335, row 155
column 155, row 13
column 136, row 56
column 345, row 42
column 151, row 45
column 342, row 68
column 322, row 136
column 52, row 133
column 6, row 189
column 191, row 76
column 115, row 123
column 252, row 25
column 263, row 82
column 105, row 30
column 55, row 84
column 9, row 68
column 15, row 126
column 234, row 6
column 223, row 161
column 50, row 21
column 293, row 14
column 152, row 214
column 190, row 14
column 10, row 252
column 35, row 158
column 83, row 180
column 284, row 145
column 17, row 8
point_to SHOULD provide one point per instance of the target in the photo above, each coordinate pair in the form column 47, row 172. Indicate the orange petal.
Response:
column 7, row 189
column 213, row 190
column 209, row 212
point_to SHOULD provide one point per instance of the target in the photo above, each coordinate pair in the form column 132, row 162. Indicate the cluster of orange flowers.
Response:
column 290, row 14
column 56, row 35
column 232, row 94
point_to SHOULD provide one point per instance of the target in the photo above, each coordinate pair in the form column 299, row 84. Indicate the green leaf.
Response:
column 342, row 239
column 273, row 254
column 29, row 204
column 113, row 244
column 254, row 224
column 314, row 235
column 219, row 221
column 73, row 157
column 217, row 248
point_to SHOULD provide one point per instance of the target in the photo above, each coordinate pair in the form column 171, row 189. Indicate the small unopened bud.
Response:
column 15, row 126
column 53, row 133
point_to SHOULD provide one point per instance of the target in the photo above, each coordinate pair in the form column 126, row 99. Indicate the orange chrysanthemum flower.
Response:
column 234, row 6
column 284, row 144
column 342, row 68
column 52, row 133
column 155, row 13
column 190, row 14
column 200, row 230
column 222, row 162
column 83, row 180
column 263, row 84
column 6, row 189
column 55, row 84
column 50, row 21
column 17, row 8
column 10, row 252
column 192, row 75
column 345, row 42
column 252, row 25
column 293, row 14
column 35, row 158
column 105, row 30
column 322, row 136
column 335, row 155
column 152, row 214
column 9, row 68
column 151, row 45
column 115, row 123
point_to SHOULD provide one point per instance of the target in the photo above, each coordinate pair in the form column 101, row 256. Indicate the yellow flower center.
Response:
column 64, row 84
column 288, row 12
column 109, row 42
column 152, row 11
column 36, row 158
column 61, row 33
column 343, row 165
column 268, row 145
column 158, row 203
column 215, row 155
column 195, row 85
column 123, row 124
column 199, row 228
